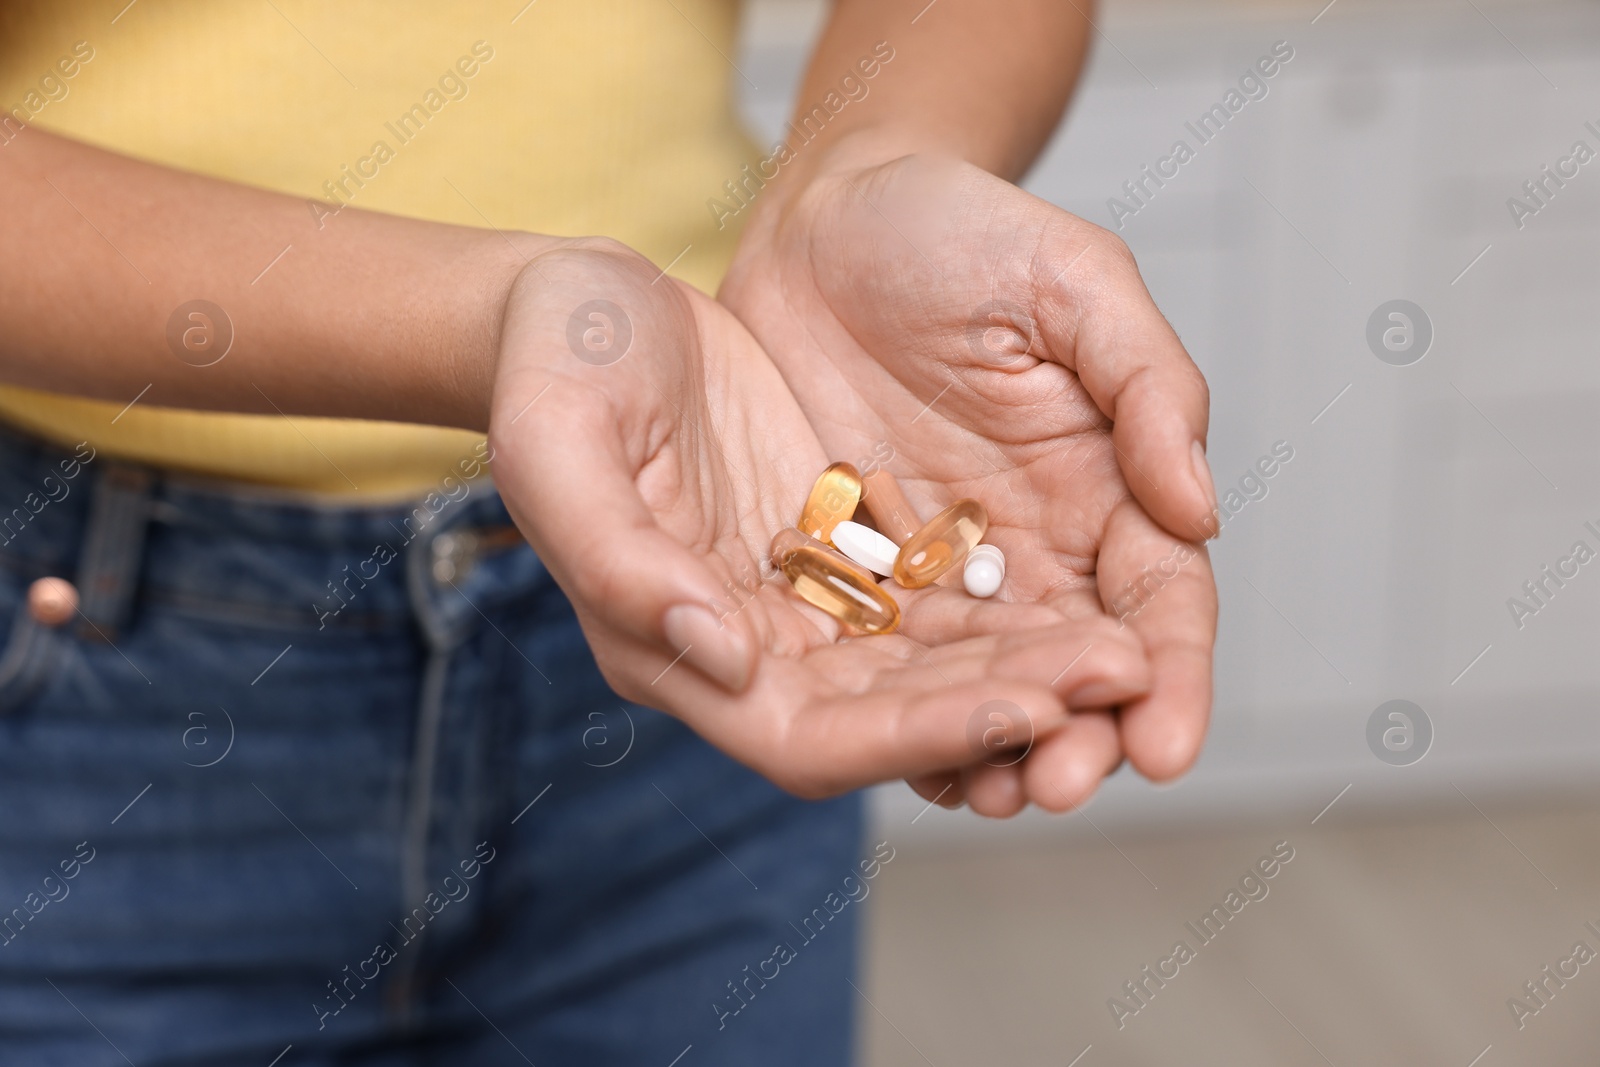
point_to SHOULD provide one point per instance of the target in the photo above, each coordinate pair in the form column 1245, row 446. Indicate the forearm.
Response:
column 356, row 315
column 984, row 81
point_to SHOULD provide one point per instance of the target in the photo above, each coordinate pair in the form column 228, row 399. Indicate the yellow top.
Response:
column 565, row 117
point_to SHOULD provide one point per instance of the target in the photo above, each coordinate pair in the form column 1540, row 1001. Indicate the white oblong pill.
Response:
column 865, row 546
column 984, row 571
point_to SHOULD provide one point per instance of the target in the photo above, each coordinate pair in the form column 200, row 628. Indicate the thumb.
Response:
column 1138, row 373
column 569, row 482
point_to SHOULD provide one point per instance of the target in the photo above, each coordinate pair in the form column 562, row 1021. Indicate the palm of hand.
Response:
column 946, row 313
column 657, row 478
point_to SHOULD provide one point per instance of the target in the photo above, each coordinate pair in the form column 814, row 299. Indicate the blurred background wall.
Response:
column 1428, row 483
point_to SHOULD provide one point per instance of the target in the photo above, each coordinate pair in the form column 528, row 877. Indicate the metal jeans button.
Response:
column 52, row 601
column 453, row 555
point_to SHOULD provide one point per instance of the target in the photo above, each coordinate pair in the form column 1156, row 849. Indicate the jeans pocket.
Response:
column 32, row 652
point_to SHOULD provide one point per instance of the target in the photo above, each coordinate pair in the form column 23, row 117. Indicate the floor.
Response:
column 1382, row 942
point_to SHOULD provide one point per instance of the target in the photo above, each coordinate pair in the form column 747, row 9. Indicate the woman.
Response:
column 307, row 753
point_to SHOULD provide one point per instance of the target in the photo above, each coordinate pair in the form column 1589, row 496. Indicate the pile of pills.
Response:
column 834, row 562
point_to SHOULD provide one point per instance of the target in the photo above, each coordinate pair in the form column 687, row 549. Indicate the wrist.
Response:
column 503, row 265
column 856, row 149
column 795, row 166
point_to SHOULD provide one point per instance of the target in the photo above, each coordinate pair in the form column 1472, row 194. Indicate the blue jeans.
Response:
column 343, row 784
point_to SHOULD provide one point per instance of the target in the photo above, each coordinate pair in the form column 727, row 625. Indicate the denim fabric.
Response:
column 399, row 824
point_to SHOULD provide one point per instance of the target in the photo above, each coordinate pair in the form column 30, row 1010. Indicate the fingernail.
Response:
column 713, row 648
column 1202, row 475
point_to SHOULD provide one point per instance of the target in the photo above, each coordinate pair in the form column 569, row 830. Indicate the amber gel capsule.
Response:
column 833, row 499
column 889, row 507
column 943, row 543
column 831, row 582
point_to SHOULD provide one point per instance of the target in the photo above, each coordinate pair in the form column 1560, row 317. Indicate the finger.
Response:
column 1063, row 770
column 1163, row 589
column 570, row 482
column 943, row 789
column 852, row 741
column 1091, row 661
column 1099, row 319
column 935, row 615
column 995, row 792
column 1091, row 664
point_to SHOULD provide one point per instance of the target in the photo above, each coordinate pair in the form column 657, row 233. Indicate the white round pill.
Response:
column 984, row 571
column 866, row 546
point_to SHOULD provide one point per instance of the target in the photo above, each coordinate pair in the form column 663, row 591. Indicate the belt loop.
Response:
column 113, row 549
